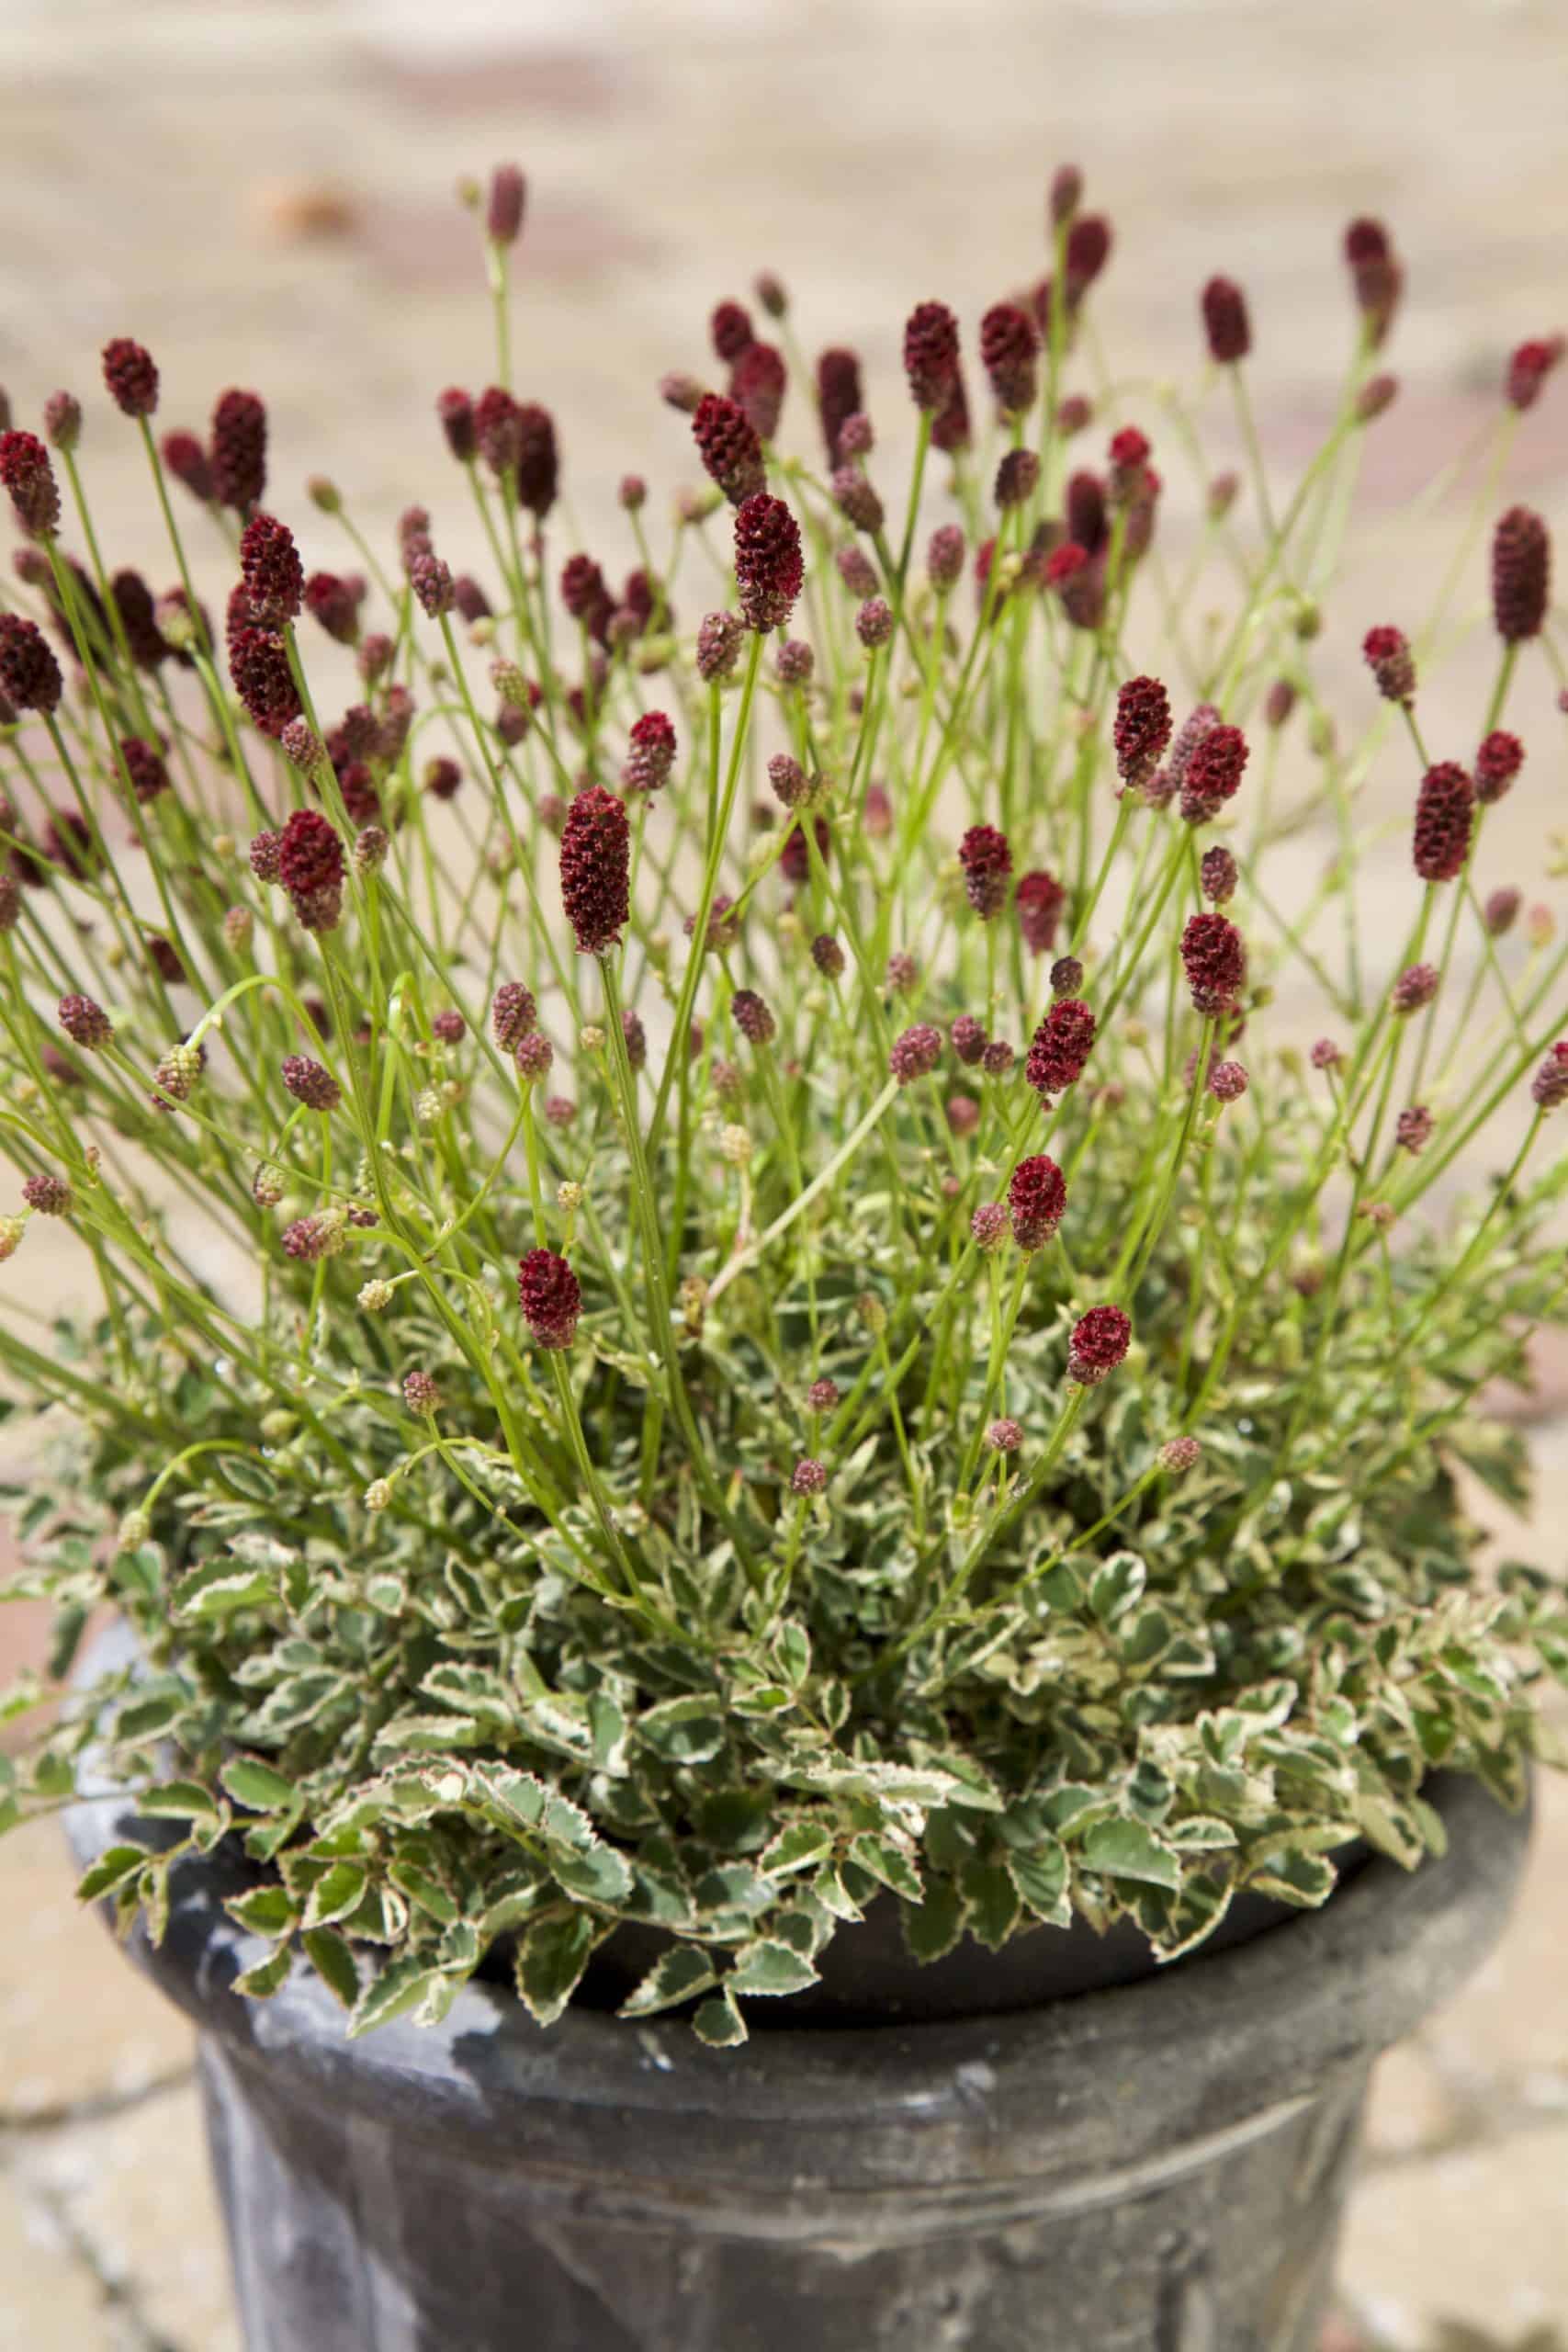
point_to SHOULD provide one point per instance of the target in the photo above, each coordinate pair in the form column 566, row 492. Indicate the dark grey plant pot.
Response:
column 1156, row 2166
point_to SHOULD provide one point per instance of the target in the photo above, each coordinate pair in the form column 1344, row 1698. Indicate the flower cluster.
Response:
column 731, row 1276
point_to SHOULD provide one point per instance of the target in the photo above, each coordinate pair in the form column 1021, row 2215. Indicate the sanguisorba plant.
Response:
column 723, row 1287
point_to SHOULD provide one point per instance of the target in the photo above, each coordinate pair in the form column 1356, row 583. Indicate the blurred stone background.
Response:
column 262, row 190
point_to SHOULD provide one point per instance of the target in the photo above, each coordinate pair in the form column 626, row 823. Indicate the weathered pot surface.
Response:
column 1151, row 2167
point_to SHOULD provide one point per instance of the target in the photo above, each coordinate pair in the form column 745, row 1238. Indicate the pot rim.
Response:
column 1217, row 2045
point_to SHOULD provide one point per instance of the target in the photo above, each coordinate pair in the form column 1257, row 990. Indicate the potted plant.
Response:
column 798, row 1660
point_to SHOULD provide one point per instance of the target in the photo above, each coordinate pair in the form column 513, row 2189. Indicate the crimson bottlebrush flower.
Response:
column 1521, row 573
column 513, row 1013
column 1142, row 729
column 857, row 572
column 873, row 622
column 679, row 390
column 828, row 956
column 719, row 647
column 1214, row 955
column 1100, row 1342
column 1529, row 366
column 1500, row 912
column 184, row 457
column 376, row 656
column 1037, row 1201
column 595, row 853
column 758, row 385
column 1444, row 816
column 258, row 665
column 1327, row 1054
column 1008, row 345
column 1375, row 274
column 793, row 663
column 130, row 376
column 1213, row 769
column 1549, row 1088
column 1376, row 394
column 310, row 869
column 498, row 430
column 728, row 447
column 810, row 1477
column 1413, row 1129
column 311, row 1084
column 1039, row 899
column 311, row 1239
column 503, row 213
column 1415, row 989
column 768, row 571
column 634, row 1036
column 1388, row 658
column 62, row 420
column 1226, row 322
column 651, row 753
column 915, row 1053
column 265, row 855
column 787, row 778
column 356, row 787
column 1083, row 512
column 414, row 535
column 989, row 1225
column 838, row 395
column 30, row 674
column 944, row 556
column 1064, row 196
column 273, row 574
column 930, row 354
column 421, row 1394
column 1129, row 453
column 1179, row 1454
column 950, row 430
column 537, row 459
column 1060, row 1046
column 1004, row 1436
column 237, row 451
column 729, row 332
column 454, row 412
column 1067, row 975
column 753, row 1017
column 771, row 292
column 584, row 594
column 1227, row 1082
column 856, row 498
column 998, row 1058
column 1199, row 722
column 1217, row 876
column 1089, row 250
column 1017, row 476
column 876, row 813
column 822, row 1395
column 84, row 1023
column 68, row 842
column 145, row 768
column 431, row 581
column 335, row 602
column 548, row 1294
column 534, row 1054
column 794, row 859
column 49, row 1195
column 969, row 1040
column 1498, row 762
column 28, row 477
column 987, row 861
column 447, row 1026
